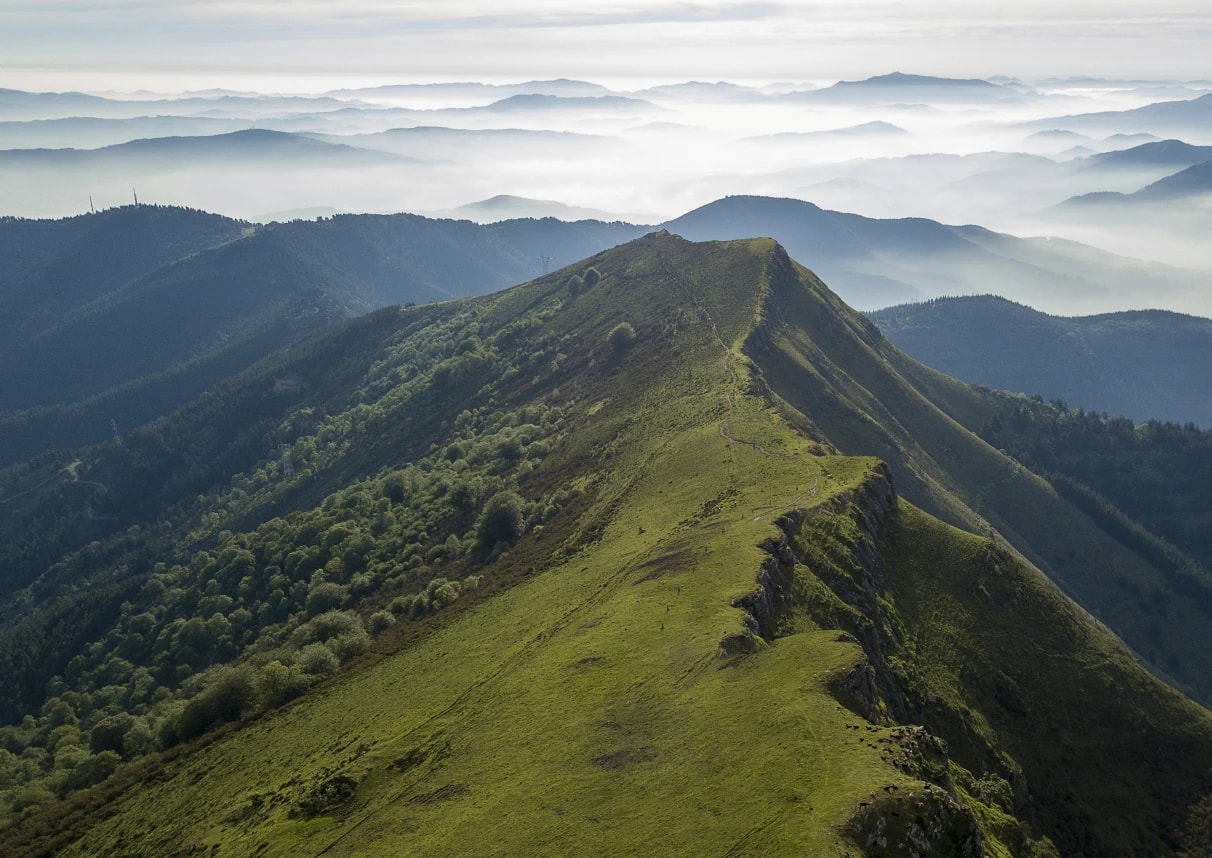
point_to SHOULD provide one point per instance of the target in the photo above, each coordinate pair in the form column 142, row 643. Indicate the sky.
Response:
column 312, row 45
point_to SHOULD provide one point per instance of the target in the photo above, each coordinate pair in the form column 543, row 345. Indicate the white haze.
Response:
column 645, row 155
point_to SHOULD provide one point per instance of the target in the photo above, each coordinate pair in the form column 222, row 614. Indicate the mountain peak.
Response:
column 900, row 79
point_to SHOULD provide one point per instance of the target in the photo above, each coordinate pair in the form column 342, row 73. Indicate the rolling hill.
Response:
column 128, row 313
column 636, row 577
column 1146, row 365
column 874, row 263
column 1190, row 118
column 253, row 146
column 900, row 88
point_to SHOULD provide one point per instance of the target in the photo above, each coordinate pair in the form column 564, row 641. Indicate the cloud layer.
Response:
column 473, row 39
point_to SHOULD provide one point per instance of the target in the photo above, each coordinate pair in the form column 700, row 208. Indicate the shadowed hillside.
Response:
column 1146, row 365
column 874, row 262
column 129, row 313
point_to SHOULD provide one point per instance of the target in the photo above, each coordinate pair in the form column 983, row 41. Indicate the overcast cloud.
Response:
column 88, row 44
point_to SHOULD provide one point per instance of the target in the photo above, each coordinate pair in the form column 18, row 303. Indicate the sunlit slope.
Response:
column 732, row 649
column 586, row 711
column 833, row 369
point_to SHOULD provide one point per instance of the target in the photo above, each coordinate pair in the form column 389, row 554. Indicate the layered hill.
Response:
column 647, row 589
column 875, row 263
column 1146, row 365
column 126, row 314
column 1187, row 119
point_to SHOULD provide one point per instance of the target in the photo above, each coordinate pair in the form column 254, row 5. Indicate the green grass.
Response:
column 826, row 363
column 1017, row 669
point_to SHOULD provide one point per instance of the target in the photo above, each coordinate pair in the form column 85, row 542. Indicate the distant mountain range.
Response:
column 85, row 132
column 559, row 87
column 1143, row 365
column 1174, row 154
column 509, row 207
column 866, row 129
column 1171, row 118
column 873, row 263
column 910, row 89
column 18, row 105
column 256, row 146
column 1194, row 181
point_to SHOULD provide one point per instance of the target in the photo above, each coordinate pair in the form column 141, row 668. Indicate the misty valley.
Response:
column 557, row 468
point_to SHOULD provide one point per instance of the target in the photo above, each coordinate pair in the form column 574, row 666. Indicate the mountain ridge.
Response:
column 1139, row 364
column 733, row 535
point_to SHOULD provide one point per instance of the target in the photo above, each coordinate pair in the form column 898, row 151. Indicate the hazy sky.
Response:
column 310, row 44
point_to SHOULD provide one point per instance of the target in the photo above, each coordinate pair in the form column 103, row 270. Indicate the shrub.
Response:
column 317, row 660
column 444, row 595
column 328, row 626
column 381, row 621
column 276, row 683
column 591, row 277
column 350, row 644
column 501, row 521
column 227, row 695
column 109, row 733
column 621, row 337
column 575, row 284
column 89, row 771
column 324, row 597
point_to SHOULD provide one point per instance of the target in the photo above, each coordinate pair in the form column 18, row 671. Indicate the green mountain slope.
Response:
column 706, row 627
column 868, row 398
column 1145, row 365
column 1149, row 478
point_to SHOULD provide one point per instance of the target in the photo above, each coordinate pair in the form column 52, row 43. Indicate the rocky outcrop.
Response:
column 838, row 542
column 919, row 824
column 853, row 570
column 773, row 593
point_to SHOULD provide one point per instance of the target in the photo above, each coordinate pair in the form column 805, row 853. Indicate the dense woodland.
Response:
column 1145, row 484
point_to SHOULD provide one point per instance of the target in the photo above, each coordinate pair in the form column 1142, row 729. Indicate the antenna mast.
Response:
column 91, row 208
column 136, row 195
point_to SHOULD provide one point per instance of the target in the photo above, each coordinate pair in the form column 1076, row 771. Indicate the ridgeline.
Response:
column 669, row 551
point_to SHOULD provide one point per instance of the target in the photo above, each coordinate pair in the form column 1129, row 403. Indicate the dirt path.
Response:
column 729, row 362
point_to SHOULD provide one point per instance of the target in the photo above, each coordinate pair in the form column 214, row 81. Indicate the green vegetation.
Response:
column 621, row 337
column 1156, row 473
column 486, row 583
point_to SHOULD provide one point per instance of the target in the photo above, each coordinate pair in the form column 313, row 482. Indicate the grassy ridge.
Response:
column 667, row 672
column 999, row 660
column 831, row 364
column 548, row 716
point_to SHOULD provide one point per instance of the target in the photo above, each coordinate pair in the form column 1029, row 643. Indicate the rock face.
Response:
column 914, row 823
column 920, row 824
column 774, row 592
column 854, row 573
